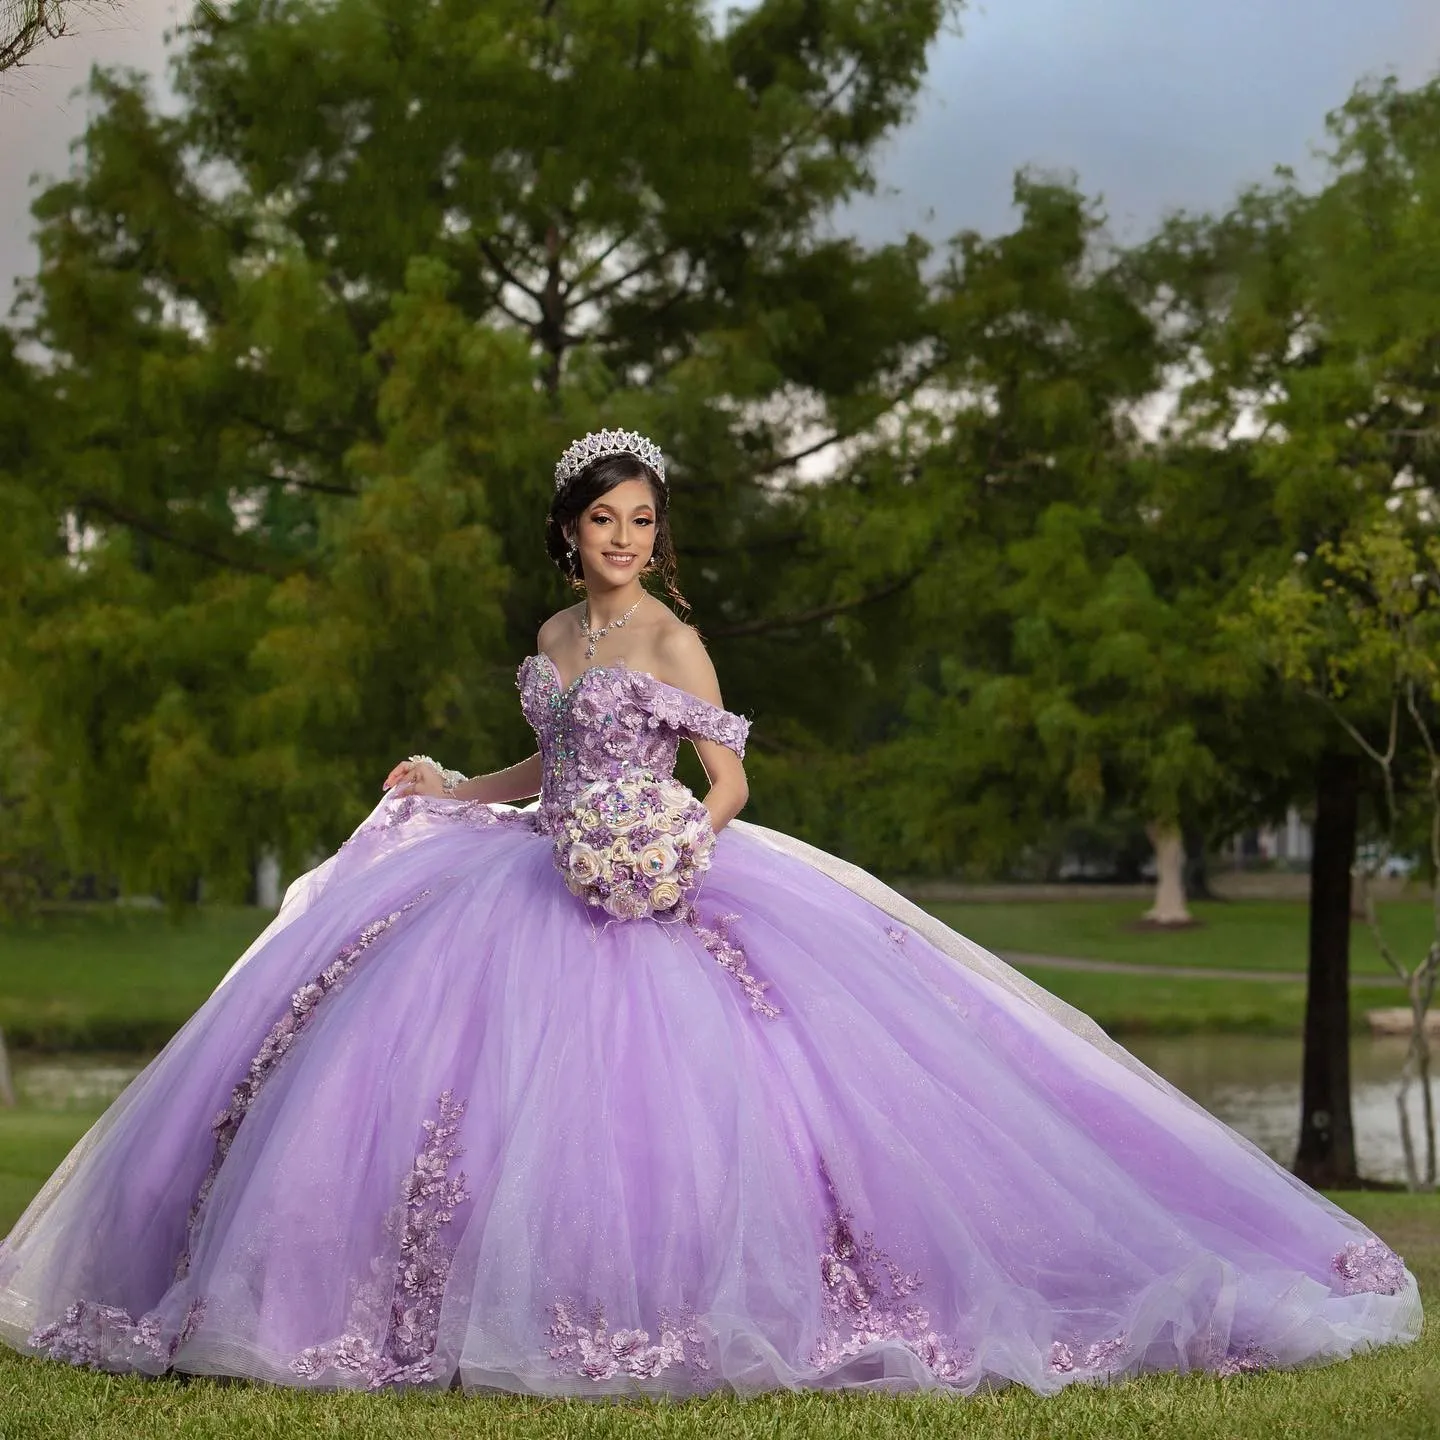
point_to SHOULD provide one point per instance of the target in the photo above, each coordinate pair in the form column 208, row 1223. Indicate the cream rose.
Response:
column 673, row 795
column 584, row 863
column 665, row 895
column 658, row 858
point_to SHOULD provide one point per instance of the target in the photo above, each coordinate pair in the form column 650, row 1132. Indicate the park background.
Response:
column 1037, row 544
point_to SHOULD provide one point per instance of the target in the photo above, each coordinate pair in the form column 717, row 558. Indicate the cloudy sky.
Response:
column 1153, row 104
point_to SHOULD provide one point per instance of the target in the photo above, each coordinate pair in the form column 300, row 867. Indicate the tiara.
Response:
column 600, row 443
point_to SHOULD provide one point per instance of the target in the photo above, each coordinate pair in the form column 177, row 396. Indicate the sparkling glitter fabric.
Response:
column 439, row 1127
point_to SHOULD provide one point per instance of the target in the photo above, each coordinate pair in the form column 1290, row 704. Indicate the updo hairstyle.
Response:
column 583, row 489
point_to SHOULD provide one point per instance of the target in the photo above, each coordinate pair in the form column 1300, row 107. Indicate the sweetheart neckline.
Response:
column 563, row 689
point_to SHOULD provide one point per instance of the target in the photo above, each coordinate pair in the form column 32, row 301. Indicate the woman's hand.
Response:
column 412, row 778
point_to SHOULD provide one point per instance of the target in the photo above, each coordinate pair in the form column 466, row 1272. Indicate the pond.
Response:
column 1251, row 1082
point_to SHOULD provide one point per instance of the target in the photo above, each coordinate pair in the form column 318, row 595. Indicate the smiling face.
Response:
column 616, row 534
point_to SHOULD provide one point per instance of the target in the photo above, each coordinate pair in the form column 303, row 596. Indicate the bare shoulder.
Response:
column 683, row 660
column 555, row 629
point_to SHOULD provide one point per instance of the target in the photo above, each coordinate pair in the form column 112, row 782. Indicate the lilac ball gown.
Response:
column 439, row 1126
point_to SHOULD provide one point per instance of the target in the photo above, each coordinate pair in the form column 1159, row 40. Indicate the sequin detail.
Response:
column 406, row 810
column 99, row 1336
column 1246, row 1360
column 867, row 1299
column 443, row 809
column 1097, row 1357
column 430, row 1197
column 611, row 721
column 729, row 955
column 1369, row 1266
column 277, row 1042
column 596, row 1352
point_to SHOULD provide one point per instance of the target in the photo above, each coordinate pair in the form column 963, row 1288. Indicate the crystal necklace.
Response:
column 593, row 637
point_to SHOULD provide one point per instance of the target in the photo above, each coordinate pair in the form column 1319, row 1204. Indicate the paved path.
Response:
column 1178, row 972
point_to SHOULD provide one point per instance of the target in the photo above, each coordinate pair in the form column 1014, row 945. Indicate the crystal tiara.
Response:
column 600, row 443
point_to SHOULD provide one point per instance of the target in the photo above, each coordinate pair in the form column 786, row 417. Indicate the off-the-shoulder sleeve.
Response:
column 688, row 715
column 702, row 721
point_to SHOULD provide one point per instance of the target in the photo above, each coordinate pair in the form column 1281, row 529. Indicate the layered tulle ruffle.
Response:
column 442, row 1126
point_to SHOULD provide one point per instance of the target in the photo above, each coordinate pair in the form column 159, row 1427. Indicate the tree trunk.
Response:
column 1327, row 1138
column 7, row 1086
column 1197, row 868
column 1169, row 907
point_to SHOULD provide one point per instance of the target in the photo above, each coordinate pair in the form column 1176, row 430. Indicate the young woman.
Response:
column 447, row 1123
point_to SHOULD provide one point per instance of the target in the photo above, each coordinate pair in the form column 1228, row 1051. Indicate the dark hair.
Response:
column 583, row 489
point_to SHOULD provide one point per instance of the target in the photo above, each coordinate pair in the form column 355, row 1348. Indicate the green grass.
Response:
column 110, row 978
column 1124, row 1005
column 1391, row 1394
column 106, row 977
column 1237, row 934
column 1240, row 935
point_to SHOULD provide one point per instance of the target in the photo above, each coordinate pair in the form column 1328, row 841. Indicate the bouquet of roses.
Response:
column 635, row 846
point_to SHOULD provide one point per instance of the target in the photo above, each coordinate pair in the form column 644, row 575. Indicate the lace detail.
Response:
column 273, row 1048
column 867, row 1298
column 397, row 810
column 99, row 1336
column 430, row 1199
column 599, row 1353
column 1244, row 1360
column 1369, row 1265
column 611, row 721
column 728, row 954
column 1097, row 1357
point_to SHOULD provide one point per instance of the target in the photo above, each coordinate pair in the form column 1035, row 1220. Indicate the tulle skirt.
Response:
column 443, row 1126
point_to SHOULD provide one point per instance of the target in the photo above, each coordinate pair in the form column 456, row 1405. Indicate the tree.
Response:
column 1314, row 321
column 1063, row 657
column 26, row 24
column 1357, row 628
column 315, row 341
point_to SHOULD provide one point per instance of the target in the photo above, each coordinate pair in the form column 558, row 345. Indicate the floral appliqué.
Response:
column 596, row 1352
column 1369, row 1266
column 99, row 1335
column 729, row 955
column 608, row 722
column 430, row 1198
column 1099, row 1356
column 868, row 1298
column 277, row 1042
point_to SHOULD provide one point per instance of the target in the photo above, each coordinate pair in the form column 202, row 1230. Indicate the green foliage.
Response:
column 313, row 343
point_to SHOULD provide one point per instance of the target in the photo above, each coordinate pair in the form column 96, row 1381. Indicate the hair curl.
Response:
column 583, row 489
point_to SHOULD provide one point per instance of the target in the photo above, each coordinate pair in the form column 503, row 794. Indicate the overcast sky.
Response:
column 1153, row 104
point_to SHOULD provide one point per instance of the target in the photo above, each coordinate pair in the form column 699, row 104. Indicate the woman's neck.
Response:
column 606, row 606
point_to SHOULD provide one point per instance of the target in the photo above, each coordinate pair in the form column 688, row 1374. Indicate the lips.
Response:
column 624, row 561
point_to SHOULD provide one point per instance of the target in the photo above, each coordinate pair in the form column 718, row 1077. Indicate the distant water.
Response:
column 1252, row 1083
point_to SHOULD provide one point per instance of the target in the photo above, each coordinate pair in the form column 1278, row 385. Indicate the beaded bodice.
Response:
column 611, row 720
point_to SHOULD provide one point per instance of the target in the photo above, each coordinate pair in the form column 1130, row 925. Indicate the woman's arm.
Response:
column 519, row 782
column 686, row 663
column 729, row 790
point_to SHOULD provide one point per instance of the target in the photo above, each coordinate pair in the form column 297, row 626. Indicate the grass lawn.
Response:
column 1392, row 1394
column 109, row 978
column 1126, row 1005
column 1233, row 934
